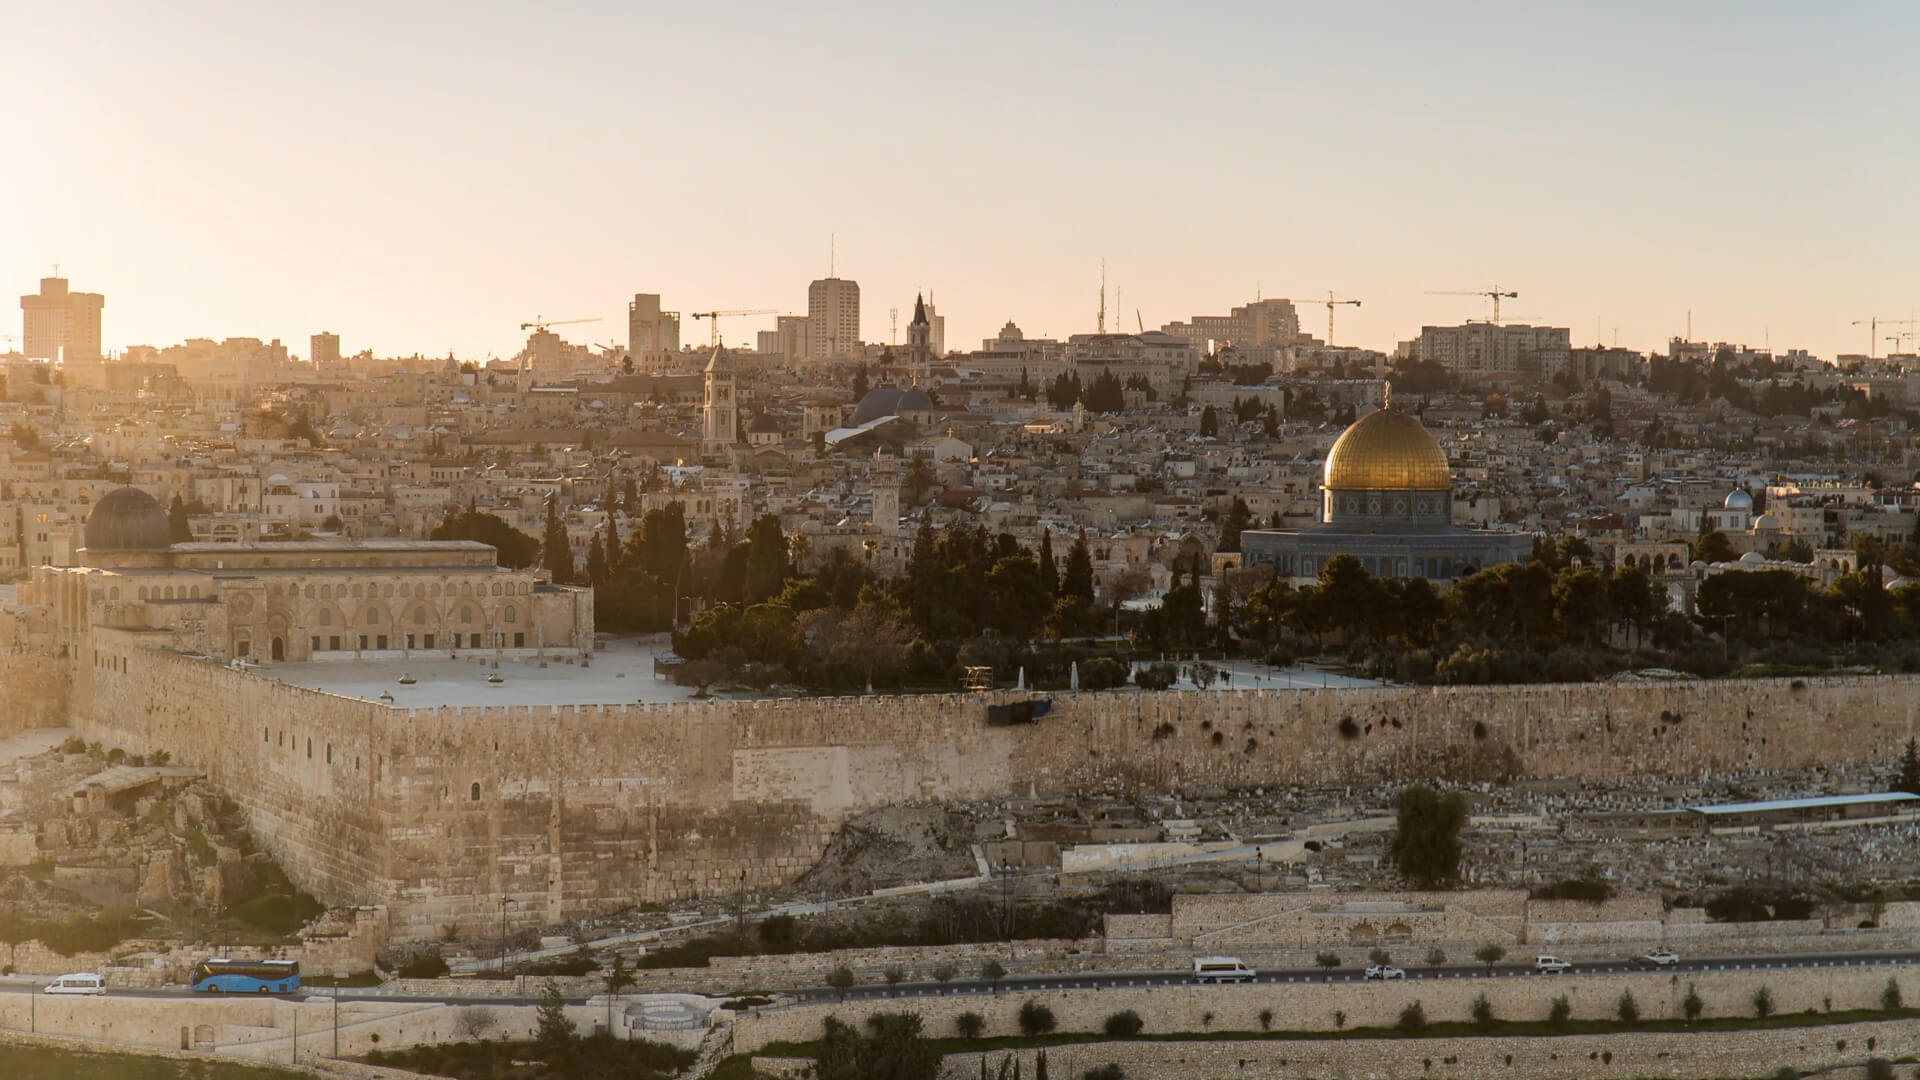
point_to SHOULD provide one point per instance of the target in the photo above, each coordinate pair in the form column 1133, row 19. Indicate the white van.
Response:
column 1550, row 965
column 1221, row 969
column 79, row 983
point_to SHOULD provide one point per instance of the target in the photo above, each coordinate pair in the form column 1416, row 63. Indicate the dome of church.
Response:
column 890, row 401
column 1738, row 499
column 1766, row 523
column 1387, row 451
column 128, row 519
column 764, row 425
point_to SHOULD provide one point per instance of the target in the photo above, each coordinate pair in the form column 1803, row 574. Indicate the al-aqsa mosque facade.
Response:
column 1387, row 501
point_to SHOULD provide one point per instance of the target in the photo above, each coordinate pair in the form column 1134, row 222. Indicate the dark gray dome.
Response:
column 891, row 401
column 128, row 519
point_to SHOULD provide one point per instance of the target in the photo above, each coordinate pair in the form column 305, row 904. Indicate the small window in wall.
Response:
column 380, row 642
column 309, row 748
column 315, row 643
column 507, row 614
column 427, row 642
column 519, row 641
column 409, row 641
column 242, row 647
column 475, row 796
column 373, row 616
column 266, row 735
column 466, row 614
column 333, row 642
column 280, row 739
column 329, row 753
column 363, row 642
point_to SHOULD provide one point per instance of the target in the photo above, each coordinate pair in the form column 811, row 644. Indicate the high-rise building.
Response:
column 652, row 334
column 833, row 318
column 1479, row 347
column 1261, row 323
column 788, row 338
column 936, row 331
column 60, row 324
column 324, row 350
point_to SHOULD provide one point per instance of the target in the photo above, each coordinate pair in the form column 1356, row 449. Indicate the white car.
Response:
column 1551, row 965
column 1383, row 972
column 84, row 982
column 1661, row 958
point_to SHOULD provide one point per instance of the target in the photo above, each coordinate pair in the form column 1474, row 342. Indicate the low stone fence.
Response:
column 1572, row 1057
column 1182, row 1006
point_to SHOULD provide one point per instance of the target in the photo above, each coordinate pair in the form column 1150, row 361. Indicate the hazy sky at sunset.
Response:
column 424, row 177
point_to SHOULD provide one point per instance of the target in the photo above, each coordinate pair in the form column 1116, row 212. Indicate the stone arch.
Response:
column 168, row 592
column 203, row 1035
column 143, row 594
column 1398, row 932
column 509, row 615
column 420, row 617
column 496, row 588
column 1363, row 934
column 194, row 592
column 309, row 592
column 474, row 795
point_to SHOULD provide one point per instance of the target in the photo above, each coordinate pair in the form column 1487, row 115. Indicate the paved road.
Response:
column 1117, row 980
column 1122, row 980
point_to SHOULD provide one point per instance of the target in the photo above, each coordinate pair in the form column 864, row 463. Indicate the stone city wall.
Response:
column 571, row 811
column 1313, row 1006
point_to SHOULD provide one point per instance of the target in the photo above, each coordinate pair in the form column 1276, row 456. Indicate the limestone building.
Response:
column 304, row 600
column 1387, row 501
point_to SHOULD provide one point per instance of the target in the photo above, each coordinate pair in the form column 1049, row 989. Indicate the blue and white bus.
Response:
column 246, row 976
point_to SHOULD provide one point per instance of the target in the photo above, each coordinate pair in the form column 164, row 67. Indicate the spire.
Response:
column 919, row 309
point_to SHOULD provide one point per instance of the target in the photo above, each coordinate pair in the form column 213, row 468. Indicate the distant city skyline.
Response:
column 227, row 170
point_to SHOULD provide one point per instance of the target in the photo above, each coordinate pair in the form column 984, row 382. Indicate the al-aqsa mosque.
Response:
column 1387, row 501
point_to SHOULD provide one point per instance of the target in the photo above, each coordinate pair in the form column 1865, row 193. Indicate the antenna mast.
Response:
column 1103, row 296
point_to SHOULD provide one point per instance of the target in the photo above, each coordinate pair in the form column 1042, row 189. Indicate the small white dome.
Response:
column 1738, row 499
column 1765, row 522
column 1753, row 557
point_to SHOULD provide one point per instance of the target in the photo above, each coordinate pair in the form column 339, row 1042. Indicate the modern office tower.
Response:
column 59, row 324
column 833, row 318
column 652, row 334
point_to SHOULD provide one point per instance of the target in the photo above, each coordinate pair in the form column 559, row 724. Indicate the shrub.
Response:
column 1124, row 1023
column 944, row 973
column 1206, row 1019
column 1379, row 956
column 1482, row 1012
column 1266, row 1019
column 1327, row 960
column 1879, row 1069
column 1339, row 1018
column 1559, row 1011
column 1035, row 1018
column 993, row 971
column 1490, row 955
column 1436, row 957
column 1763, row 1003
column 1155, row 676
column 970, row 1024
column 1108, row 1071
column 1413, row 1019
column 1102, row 673
column 895, row 975
column 1691, row 1005
column 1627, row 1009
column 1786, row 1072
column 1890, row 997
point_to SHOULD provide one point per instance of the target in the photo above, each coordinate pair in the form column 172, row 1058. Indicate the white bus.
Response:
column 1221, row 969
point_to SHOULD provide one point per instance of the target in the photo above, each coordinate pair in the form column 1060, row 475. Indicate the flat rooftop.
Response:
column 620, row 674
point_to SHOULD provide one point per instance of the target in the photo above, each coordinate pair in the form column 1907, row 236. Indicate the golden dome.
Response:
column 1387, row 451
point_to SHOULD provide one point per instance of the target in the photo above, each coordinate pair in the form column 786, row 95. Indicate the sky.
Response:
column 424, row 177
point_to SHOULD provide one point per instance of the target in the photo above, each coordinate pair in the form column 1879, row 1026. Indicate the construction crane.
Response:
column 1898, row 337
column 1331, row 304
column 1494, row 294
column 541, row 324
column 716, row 316
column 1873, row 323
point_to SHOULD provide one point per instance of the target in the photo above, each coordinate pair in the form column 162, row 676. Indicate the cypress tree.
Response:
column 1078, row 579
column 1049, row 573
column 556, row 554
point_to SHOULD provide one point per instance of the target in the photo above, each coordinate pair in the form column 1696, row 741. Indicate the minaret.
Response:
column 919, row 342
column 886, row 503
column 719, row 413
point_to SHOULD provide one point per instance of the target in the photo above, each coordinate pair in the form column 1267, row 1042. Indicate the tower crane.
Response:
column 1494, row 294
column 1898, row 337
column 1873, row 323
column 541, row 324
column 716, row 316
column 1331, row 304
